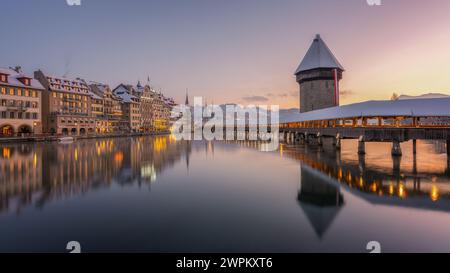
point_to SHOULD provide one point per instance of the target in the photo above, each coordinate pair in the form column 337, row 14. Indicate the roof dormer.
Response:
column 4, row 77
column 24, row 80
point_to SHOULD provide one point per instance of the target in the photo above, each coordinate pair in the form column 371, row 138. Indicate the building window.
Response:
column 19, row 115
column 11, row 91
column 19, row 92
column 3, row 91
column 11, row 114
column 3, row 114
column 35, row 115
column 3, row 78
column 27, row 115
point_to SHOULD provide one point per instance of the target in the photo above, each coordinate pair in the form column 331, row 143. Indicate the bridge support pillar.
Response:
column 448, row 146
column 361, row 163
column 307, row 140
column 396, row 161
column 301, row 138
column 396, row 149
column 361, row 145
column 414, row 146
column 319, row 140
column 337, row 142
column 448, row 166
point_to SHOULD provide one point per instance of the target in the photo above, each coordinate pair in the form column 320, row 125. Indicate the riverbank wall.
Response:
column 56, row 138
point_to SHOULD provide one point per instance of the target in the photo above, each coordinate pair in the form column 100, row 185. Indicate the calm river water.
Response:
column 155, row 194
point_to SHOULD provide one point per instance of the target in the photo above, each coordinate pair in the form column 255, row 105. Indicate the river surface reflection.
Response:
column 155, row 194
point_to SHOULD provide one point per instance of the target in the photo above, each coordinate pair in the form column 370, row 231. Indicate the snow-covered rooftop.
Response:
column 13, row 79
column 126, row 97
column 63, row 84
column 95, row 96
column 435, row 107
column 318, row 56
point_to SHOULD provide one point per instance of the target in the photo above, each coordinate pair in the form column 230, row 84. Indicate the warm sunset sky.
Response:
column 242, row 51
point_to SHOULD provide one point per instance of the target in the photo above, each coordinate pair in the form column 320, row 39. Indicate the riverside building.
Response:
column 66, row 105
column 20, row 103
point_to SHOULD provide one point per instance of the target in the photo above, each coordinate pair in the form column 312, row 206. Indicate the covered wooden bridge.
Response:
column 394, row 121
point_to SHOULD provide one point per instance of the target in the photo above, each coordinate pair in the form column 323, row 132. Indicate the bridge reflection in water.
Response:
column 327, row 172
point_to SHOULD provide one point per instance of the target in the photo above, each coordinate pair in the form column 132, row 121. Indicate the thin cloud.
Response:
column 255, row 99
column 345, row 93
column 282, row 95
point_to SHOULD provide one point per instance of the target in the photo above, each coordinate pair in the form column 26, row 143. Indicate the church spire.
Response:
column 187, row 98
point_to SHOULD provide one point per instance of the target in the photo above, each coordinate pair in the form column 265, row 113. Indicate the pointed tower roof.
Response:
column 187, row 98
column 319, row 200
column 318, row 56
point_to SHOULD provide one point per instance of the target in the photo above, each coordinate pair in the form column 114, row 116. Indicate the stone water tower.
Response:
column 319, row 74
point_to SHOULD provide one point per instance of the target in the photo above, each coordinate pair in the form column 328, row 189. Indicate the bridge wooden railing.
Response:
column 373, row 122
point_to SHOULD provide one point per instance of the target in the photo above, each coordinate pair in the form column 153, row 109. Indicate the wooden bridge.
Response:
column 377, row 121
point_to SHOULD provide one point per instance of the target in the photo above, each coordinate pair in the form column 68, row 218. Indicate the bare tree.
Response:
column 394, row 96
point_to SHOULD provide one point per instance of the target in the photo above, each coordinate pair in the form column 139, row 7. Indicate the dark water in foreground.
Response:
column 154, row 194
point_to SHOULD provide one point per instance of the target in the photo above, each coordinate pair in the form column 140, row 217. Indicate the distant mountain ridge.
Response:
column 424, row 96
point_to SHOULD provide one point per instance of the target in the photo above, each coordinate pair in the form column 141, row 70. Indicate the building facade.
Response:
column 147, row 102
column 131, row 109
column 50, row 105
column 318, row 75
column 20, row 103
column 110, row 118
column 66, row 106
column 154, row 108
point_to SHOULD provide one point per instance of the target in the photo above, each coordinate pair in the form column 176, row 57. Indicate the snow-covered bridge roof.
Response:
column 438, row 107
